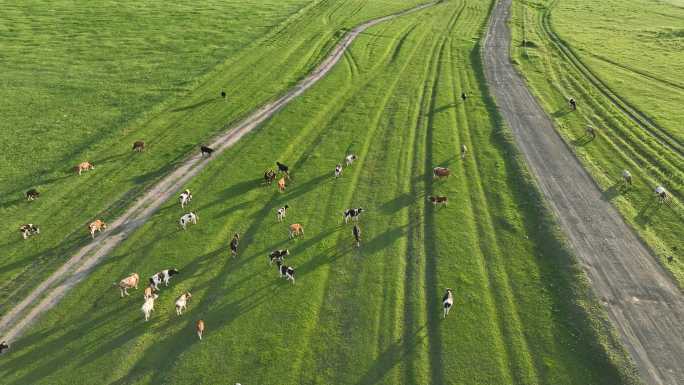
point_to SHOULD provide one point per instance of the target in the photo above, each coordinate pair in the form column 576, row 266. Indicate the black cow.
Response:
column 32, row 194
column 283, row 168
column 3, row 346
column 234, row 245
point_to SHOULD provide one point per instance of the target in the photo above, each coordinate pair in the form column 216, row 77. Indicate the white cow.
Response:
column 188, row 218
column 350, row 159
column 148, row 306
column 182, row 302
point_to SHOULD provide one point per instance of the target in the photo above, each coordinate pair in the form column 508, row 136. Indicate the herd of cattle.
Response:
column 295, row 230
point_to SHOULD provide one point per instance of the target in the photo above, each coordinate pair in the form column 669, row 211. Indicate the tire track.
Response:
column 80, row 264
column 641, row 299
column 638, row 117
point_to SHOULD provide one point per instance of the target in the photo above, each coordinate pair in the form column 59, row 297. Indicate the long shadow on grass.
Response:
column 195, row 105
column 394, row 354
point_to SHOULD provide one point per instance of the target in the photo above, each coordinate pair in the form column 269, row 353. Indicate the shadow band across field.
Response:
column 640, row 297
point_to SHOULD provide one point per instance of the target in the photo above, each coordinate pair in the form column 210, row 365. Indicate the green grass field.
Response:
column 618, row 59
column 523, row 312
column 83, row 82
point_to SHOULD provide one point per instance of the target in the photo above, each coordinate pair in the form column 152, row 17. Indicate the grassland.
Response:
column 621, row 64
column 83, row 82
column 523, row 313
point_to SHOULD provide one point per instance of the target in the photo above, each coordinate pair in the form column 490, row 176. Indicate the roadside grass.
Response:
column 523, row 312
column 84, row 81
column 560, row 64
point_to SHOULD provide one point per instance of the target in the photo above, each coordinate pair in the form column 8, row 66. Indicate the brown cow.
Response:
column 296, row 230
column 440, row 172
column 139, row 146
column 83, row 166
column 281, row 184
column 437, row 199
column 149, row 292
column 200, row 328
column 97, row 225
column 129, row 282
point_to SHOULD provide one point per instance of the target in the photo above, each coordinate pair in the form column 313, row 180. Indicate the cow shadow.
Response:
column 612, row 192
column 441, row 109
column 583, row 140
column 196, row 105
column 559, row 113
column 647, row 211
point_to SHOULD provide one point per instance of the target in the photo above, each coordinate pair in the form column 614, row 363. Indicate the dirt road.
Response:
column 55, row 287
column 643, row 302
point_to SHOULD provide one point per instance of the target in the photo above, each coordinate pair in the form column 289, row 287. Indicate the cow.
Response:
column 278, row 256
column 130, row 282
column 627, row 177
column 572, row 103
column 356, row 232
column 200, row 328
column 223, row 94
column 352, row 214
column 188, row 218
column 162, row 276
column 661, row 193
column 296, row 230
column 447, row 301
column 182, row 302
column 269, row 176
column 149, row 291
column 28, row 230
column 204, row 150
column 464, row 96
column 281, row 213
column 440, row 172
column 139, row 146
column 32, row 194
column 349, row 159
column 234, row 245
column 148, row 306
column 3, row 346
column 281, row 184
column 464, row 151
column 185, row 198
column 338, row 171
column 96, row 225
column 83, row 166
column 437, row 199
column 591, row 131
column 283, row 169
column 287, row 272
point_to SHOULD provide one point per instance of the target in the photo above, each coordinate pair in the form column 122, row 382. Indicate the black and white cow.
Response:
column 338, row 171
column 356, row 231
column 447, row 301
column 3, row 346
column 281, row 213
column 32, row 194
column 28, row 230
column 234, row 245
column 185, row 198
column 287, row 272
column 162, row 276
column 352, row 214
column 188, row 218
column 206, row 150
column 278, row 256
